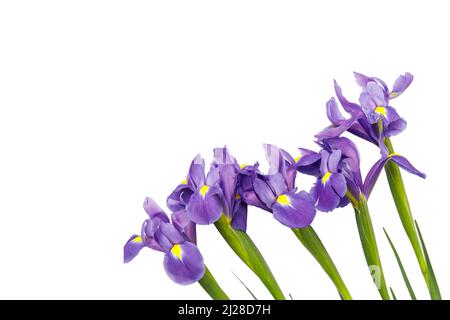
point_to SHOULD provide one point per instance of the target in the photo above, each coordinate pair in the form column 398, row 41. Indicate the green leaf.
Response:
column 370, row 247
column 247, row 251
column 210, row 285
column 399, row 261
column 400, row 197
column 434, row 288
column 393, row 294
column 311, row 241
column 245, row 286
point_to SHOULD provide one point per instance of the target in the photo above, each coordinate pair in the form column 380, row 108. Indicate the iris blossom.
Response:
column 373, row 120
column 183, row 261
column 374, row 107
column 276, row 192
column 200, row 196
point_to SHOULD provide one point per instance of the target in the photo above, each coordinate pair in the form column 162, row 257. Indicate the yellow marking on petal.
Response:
column 393, row 154
column 298, row 158
column 204, row 190
column 176, row 251
column 393, row 95
column 237, row 196
column 243, row 166
column 284, row 200
column 326, row 177
column 184, row 181
column 381, row 110
column 137, row 239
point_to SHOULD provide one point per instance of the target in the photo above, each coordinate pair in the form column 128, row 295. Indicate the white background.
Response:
column 106, row 102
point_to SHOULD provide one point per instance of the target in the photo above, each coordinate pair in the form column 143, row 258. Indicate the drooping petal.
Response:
column 335, row 131
column 132, row 248
column 196, row 176
column 339, row 184
column 405, row 164
column 184, row 263
column 264, row 192
column 295, row 210
column 327, row 198
column 206, row 205
column 239, row 220
column 401, row 84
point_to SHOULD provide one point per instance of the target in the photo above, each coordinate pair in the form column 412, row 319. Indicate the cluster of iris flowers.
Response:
column 222, row 193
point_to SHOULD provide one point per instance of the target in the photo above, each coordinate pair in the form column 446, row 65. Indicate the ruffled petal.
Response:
column 184, row 263
column 295, row 210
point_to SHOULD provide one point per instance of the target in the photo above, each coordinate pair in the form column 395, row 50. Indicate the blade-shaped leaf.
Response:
column 245, row 286
column 434, row 288
column 393, row 294
column 399, row 261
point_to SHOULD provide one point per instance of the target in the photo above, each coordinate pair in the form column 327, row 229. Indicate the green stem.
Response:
column 210, row 285
column 370, row 247
column 309, row 238
column 247, row 251
column 398, row 192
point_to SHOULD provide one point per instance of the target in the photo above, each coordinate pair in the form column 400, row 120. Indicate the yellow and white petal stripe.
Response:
column 326, row 177
column 177, row 252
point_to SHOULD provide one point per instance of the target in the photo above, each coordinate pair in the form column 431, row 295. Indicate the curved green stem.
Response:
column 369, row 244
column 309, row 238
column 400, row 197
column 247, row 251
column 210, row 285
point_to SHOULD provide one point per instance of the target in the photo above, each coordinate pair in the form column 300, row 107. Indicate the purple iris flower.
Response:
column 276, row 191
column 229, row 179
column 374, row 106
column 183, row 261
column 200, row 195
column 339, row 172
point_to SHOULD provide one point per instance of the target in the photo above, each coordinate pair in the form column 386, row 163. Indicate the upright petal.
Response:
column 152, row 208
column 295, row 210
column 333, row 113
column 401, row 84
column 350, row 107
column 196, row 176
column 184, row 263
column 167, row 235
column 132, row 248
